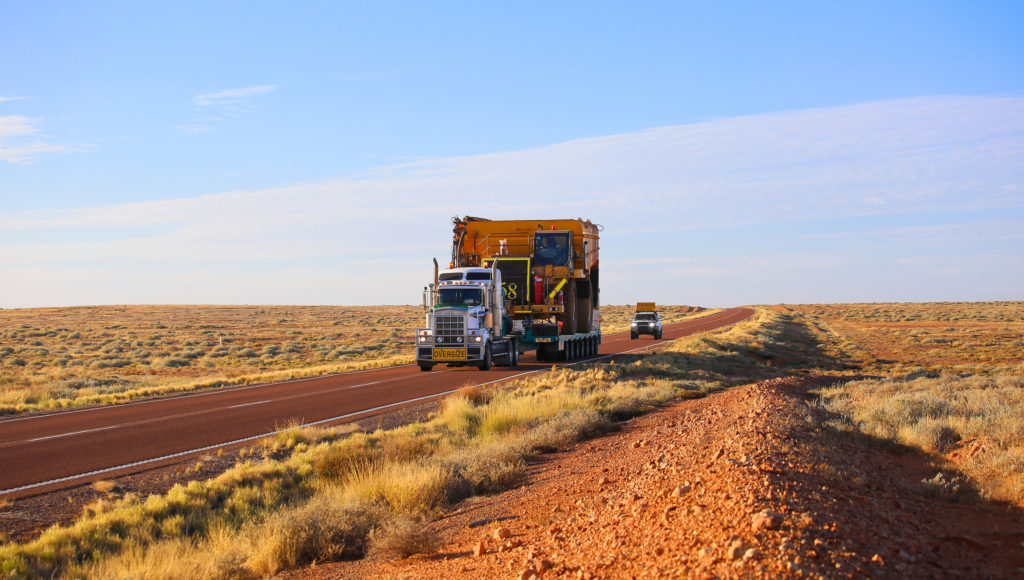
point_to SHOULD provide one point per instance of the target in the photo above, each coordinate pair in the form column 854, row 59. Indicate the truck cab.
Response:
column 465, row 274
column 464, row 317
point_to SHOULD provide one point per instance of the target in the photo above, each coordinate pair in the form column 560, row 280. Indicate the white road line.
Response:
column 247, row 404
column 74, row 433
column 363, row 385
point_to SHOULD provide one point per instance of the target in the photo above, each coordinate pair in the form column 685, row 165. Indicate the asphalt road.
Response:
column 44, row 452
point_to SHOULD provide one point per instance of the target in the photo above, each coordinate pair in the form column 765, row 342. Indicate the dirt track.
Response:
column 743, row 483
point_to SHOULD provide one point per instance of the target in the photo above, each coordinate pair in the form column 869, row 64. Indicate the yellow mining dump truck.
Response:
column 537, row 282
column 549, row 268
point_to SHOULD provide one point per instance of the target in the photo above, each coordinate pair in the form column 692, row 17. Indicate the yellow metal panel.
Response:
column 483, row 238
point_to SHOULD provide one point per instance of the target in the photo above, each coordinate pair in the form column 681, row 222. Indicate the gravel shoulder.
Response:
column 743, row 483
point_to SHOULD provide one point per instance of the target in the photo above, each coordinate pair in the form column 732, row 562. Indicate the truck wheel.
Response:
column 584, row 312
column 633, row 335
column 658, row 336
column 569, row 313
column 426, row 368
column 485, row 365
column 513, row 354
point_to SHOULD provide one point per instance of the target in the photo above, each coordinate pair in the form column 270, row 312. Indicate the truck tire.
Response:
column 569, row 303
column 633, row 335
column 485, row 365
column 426, row 368
column 513, row 354
column 584, row 313
column 658, row 336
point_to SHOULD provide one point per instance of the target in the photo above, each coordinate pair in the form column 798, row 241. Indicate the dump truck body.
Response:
column 550, row 268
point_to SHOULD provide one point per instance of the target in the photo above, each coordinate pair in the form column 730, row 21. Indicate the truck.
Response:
column 511, row 287
column 646, row 320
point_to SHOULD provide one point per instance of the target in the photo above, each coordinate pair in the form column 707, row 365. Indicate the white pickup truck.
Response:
column 646, row 320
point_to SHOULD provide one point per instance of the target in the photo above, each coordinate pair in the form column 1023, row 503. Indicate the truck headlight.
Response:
column 477, row 338
column 423, row 339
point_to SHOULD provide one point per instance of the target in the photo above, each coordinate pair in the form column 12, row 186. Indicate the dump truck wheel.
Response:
column 584, row 312
column 569, row 303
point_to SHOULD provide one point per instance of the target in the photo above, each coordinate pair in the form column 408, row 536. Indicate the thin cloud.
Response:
column 232, row 96
column 195, row 128
column 5, row 99
column 662, row 194
column 20, row 142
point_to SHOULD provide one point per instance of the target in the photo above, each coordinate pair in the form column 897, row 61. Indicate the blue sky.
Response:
column 742, row 152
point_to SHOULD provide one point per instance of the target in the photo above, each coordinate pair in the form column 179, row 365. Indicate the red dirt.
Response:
column 743, row 483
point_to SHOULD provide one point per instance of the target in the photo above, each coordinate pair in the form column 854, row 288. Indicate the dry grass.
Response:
column 894, row 339
column 950, row 382
column 338, row 497
column 61, row 357
column 402, row 537
column 976, row 423
column 66, row 357
column 104, row 486
column 332, row 497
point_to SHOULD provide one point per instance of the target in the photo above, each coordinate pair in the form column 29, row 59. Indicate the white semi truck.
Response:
column 512, row 287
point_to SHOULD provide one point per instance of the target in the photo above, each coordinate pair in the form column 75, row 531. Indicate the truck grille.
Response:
column 449, row 326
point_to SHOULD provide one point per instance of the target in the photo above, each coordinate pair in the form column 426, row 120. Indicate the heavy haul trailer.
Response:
column 513, row 286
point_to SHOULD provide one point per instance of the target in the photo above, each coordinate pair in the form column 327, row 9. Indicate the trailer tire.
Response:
column 485, row 365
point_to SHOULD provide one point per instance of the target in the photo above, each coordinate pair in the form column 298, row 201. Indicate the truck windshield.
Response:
column 550, row 249
column 459, row 297
column 644, row 316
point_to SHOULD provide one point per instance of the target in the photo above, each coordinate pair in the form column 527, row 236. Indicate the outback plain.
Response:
column 833, row 440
